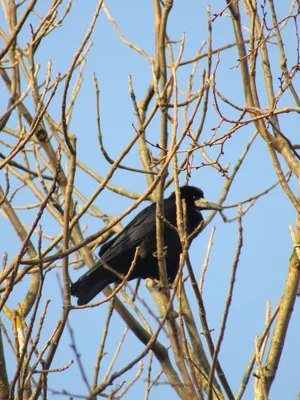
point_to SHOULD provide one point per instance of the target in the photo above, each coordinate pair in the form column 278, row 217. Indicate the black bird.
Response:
column 118, row 253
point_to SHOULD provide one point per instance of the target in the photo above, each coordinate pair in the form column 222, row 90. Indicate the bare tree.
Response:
column 185, row 123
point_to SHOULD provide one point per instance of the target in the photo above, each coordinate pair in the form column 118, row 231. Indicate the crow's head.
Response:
column 195, row 195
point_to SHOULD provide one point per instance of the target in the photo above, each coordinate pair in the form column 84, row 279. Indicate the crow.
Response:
column 119, row 252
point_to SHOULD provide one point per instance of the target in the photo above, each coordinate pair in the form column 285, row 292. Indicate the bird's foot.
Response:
column 156, row 284
column 164, row 249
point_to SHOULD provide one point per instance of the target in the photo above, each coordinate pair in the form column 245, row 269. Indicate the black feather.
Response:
column 119, row 252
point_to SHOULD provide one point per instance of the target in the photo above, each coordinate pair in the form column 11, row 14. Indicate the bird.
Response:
column 119, row 252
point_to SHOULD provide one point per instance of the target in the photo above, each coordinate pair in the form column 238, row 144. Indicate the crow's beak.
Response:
column 203, row 204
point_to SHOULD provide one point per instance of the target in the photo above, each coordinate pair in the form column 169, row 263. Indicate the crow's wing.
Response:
column 133, row 234
column 106, row 246
column 141, row 231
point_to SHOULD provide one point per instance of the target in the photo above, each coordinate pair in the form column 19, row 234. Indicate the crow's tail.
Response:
column 90, row 284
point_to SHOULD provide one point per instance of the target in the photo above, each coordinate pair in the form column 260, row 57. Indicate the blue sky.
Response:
column 267, row 243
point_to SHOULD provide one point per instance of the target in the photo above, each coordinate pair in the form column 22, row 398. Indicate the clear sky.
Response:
column 267, row 243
